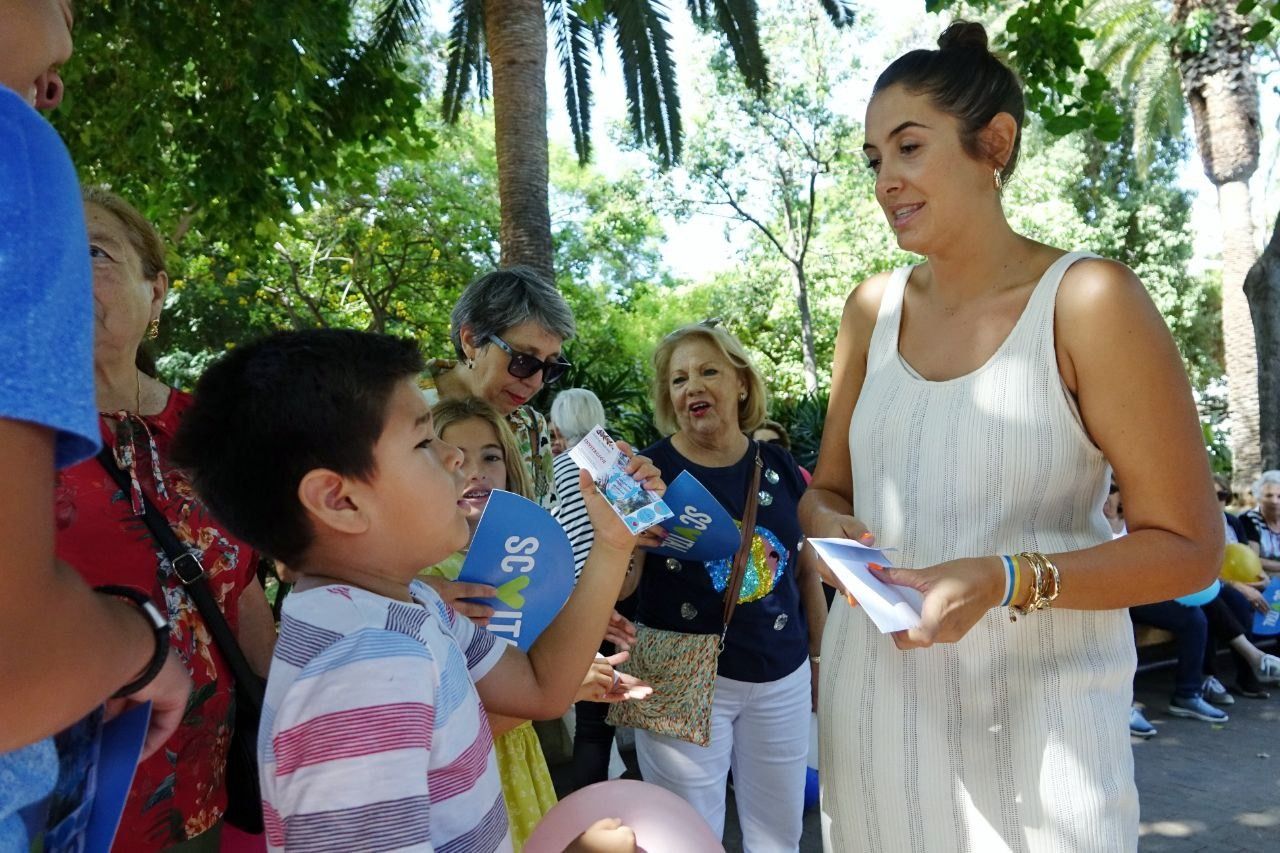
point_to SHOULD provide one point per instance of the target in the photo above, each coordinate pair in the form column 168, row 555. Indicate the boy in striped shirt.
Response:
column 318, row 448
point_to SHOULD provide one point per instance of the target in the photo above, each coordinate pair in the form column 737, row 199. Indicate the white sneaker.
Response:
column 1215, row 693
column 1268, row 669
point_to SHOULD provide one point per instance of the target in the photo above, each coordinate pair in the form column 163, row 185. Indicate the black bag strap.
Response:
column 186, row 565
column 740, row 559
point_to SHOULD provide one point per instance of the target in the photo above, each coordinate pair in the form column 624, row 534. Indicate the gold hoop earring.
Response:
column 153, row 330
column 999, row 180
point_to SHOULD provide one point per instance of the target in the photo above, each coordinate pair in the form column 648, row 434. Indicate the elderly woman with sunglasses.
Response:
column 508, row 327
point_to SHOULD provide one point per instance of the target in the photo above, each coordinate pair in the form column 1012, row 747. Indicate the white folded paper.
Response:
column 891, row 608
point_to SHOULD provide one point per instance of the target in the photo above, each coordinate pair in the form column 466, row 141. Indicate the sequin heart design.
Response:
column 509, row 593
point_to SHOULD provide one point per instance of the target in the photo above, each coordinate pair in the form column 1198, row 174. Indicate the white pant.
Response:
column 762, row 732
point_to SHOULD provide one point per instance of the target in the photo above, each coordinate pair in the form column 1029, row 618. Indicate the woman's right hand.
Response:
column 841, row 527
column 454, row 593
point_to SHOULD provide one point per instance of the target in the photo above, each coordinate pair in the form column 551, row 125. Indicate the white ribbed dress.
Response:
column 1014, row 738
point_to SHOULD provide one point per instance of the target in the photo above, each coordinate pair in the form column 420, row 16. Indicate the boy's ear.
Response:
column 328, row 498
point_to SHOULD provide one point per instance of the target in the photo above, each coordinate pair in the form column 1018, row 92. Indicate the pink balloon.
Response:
column 662, row 821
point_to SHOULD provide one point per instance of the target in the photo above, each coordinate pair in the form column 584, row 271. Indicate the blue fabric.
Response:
column 46, row 340
column 46, row 325
column 768, row 638
column 26, row 778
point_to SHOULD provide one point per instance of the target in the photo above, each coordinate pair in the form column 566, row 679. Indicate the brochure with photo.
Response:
column 601, row 457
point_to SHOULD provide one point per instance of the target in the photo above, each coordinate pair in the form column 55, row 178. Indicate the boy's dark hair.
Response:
column 269, row 412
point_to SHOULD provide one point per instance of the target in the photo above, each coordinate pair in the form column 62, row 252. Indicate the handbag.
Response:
column 681, row 667
column 244, row 793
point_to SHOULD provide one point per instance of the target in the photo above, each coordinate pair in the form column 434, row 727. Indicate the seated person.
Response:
column 318, row 449
column 1190, row 629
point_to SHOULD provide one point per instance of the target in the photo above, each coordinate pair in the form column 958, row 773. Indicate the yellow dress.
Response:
column 526, row 781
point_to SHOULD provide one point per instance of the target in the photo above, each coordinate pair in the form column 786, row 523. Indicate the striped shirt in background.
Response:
column 373, row 734
column 571, row 511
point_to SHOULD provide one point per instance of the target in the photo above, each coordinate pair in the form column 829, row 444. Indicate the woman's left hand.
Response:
column 957, row 594
column 620, row 631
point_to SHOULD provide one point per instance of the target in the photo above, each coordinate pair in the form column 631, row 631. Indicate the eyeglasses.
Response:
column 523, row 365
column 1224, row 496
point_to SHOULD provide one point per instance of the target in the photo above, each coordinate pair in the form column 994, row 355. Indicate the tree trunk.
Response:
column 516, row 35
column 1221, row 90
column 800, row 286
column 1238, row 339
column 1262, row 287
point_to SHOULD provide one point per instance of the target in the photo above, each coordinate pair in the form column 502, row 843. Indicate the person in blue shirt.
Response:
column 66, row 649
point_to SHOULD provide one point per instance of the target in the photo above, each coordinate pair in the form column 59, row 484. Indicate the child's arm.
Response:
column 542, row 684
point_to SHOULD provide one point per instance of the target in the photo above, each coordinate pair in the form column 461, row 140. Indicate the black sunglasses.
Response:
column 1224, row 496
column 522, row 365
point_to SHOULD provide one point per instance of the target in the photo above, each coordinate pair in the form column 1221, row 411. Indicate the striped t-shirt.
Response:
column 571, row 511
column 373, row 735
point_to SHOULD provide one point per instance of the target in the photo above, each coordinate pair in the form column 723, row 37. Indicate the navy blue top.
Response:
column 768, row 637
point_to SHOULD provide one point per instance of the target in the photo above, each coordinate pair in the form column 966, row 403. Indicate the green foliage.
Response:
column 803, row 418
column 1042, row 40
column 640, row 35
column 224, row 116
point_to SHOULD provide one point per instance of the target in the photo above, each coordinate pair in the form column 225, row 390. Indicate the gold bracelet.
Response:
column 1045, row 585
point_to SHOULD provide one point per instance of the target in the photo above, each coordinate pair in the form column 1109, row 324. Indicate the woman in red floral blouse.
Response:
column 178, row 794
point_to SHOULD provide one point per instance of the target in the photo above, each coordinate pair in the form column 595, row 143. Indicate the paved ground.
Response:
column 1203, row 787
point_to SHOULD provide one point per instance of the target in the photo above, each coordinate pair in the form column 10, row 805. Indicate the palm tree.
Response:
column 505, row 41
column 1192, row 56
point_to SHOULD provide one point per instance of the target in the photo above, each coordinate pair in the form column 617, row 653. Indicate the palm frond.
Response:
column 397, row 24
column 738, row 21
column 839, row 11
column 1133, row 47
column 465, row 57
column 573, row 46
column 649, row 75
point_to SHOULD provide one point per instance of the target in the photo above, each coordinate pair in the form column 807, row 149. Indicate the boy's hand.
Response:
column 605, row 836
column 453, row 593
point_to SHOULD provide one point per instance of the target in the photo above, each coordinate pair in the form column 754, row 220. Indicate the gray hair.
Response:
column 574, row 412
column 496, row 301
column 1268, row 478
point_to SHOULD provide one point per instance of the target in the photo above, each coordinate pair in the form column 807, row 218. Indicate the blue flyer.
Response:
column 1268, row 624
column 122, row 740
column 701, row 528
column 522, row 550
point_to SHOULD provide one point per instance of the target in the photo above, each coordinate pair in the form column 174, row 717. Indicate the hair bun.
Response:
column 963, row 35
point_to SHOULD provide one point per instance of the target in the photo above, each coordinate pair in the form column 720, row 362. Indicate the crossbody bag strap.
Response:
column 739, row 570
column 186, row 565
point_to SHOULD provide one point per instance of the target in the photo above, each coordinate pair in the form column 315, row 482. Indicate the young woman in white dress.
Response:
column 979, row 403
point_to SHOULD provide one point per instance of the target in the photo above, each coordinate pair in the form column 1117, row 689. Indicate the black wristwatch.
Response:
column 159, row 627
